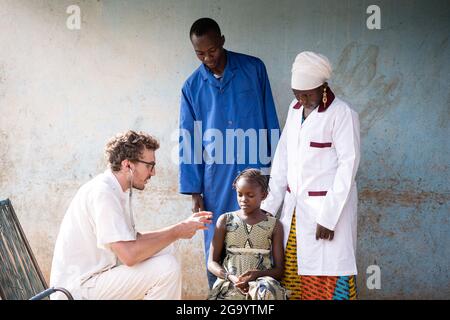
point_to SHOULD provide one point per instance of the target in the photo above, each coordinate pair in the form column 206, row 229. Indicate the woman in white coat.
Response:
column 313, row 175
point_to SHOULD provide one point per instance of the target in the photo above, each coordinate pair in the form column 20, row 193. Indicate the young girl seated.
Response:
column 246, row 253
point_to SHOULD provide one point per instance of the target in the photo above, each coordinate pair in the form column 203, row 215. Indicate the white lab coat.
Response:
column 320, row 156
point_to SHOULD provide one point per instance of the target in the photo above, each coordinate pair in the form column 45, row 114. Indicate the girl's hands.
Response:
column 234, row 279
column 244, row 279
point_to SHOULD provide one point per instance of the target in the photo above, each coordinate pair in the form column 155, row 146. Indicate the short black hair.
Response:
column 254, row 176
column 203, row 26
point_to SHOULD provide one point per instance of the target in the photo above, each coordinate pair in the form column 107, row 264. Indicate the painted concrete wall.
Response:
column 63, row 93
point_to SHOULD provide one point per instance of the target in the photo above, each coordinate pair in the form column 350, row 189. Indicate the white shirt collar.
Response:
column 115, row 184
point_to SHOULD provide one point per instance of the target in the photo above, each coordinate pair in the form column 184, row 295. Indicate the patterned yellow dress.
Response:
column 248, row 247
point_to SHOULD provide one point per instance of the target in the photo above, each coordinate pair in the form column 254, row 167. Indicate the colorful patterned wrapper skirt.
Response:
column 313, row 287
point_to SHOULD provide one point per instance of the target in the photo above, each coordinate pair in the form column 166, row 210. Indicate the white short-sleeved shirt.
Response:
column 97, row 216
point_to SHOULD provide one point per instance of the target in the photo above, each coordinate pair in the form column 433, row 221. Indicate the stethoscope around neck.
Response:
column 130, row 194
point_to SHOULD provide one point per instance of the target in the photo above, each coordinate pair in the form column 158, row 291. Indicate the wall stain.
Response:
column 408, row 198
column 359, row 80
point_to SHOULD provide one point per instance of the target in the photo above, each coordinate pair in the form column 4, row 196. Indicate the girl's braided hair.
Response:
column 255, row 176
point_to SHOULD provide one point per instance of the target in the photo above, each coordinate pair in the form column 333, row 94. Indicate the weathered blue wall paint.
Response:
column 62, row 93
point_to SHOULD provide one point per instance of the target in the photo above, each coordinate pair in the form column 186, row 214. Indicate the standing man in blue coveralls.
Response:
column 228, row 123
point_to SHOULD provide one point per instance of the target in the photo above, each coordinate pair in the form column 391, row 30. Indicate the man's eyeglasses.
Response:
column 150, row 165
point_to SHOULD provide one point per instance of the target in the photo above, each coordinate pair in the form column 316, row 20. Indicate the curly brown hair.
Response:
column 128, row 145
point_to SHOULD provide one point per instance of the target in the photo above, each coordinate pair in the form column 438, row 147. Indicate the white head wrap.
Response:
column 310, row 70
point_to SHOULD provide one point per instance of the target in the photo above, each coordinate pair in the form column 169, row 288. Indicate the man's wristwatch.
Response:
column 226, row 274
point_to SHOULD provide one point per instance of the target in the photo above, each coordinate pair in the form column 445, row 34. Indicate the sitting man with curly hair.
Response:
column 98, row 252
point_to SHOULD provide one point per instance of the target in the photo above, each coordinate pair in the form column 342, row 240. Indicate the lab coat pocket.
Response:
column 314, row 203
column 317, row 193
column 322, row 153
column 313, row 144
column 246, row 103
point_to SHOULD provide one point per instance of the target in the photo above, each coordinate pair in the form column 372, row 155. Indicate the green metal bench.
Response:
column 20, row 276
